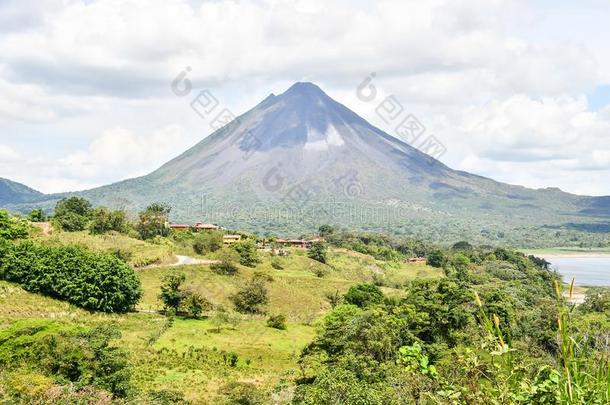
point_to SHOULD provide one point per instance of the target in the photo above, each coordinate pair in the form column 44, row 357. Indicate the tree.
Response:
column 326, row 230
column 251, row 297
column 436, row 258
column 462, row 245
column 171, row 294
column 318, row 252
column 73, row 214
column 12, row 228
column 104, row 220
column 248, row 255
column 194, row 304
column 208, row 242
column 37, row 215
column 363, row 295
column 227, row 258
column 153, row 221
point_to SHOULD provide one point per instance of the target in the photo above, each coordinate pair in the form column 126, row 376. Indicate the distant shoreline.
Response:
column 566, row 253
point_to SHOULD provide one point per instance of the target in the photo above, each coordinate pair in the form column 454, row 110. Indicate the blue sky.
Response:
column 518, row 91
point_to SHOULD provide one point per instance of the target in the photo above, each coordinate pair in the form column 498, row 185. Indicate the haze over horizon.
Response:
column 511, row 91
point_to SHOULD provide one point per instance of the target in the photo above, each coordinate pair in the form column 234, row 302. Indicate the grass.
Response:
column 190, row 356
column 139, row 253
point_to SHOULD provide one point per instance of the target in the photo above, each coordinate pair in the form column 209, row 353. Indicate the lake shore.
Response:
column 567, row 253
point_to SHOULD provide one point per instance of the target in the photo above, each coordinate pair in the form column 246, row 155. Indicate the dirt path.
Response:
column 183, row 261
column 189, row 261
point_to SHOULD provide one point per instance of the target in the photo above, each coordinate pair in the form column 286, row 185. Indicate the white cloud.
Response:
column 506, row 96
column 7, row 154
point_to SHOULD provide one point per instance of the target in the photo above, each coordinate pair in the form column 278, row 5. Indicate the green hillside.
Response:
column 15, row 193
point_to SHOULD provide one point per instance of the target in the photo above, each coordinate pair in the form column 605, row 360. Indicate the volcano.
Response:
column 300, row 159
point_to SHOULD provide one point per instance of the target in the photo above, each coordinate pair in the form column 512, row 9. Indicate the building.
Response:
column 298, row 243
column 205, row 227
column 199, row 226
column 179, row 227
column 419, row 260
column 230, row 239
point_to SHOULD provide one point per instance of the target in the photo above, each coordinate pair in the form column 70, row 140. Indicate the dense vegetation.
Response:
column 98, row 282
column 495, row 330
column 349, row 321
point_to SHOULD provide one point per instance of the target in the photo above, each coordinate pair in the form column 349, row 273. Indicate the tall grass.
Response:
column 580, row 375
column 585, row 371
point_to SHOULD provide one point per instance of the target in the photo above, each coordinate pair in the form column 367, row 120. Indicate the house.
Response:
column 298, row 243
column 418, row 260
column 205, row 227
column 199, row 226
column 230, row 239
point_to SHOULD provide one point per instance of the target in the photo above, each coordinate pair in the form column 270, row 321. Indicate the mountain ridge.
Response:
column 303, row 150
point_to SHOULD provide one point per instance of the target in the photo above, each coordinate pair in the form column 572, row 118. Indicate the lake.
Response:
column 588, row 270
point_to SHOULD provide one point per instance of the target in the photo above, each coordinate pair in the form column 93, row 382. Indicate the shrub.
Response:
column 248, row 255
column 277, row 322
column 207, row 242
column 94, row 281
column 227, row 266
column 318, row 252
column 277, row 264
column 231, row 359
column 363, row 295
column 12, row 228
column 251, row 297
column 194, row 304
column 81, row 356
column 242, row 393
column 333, row 298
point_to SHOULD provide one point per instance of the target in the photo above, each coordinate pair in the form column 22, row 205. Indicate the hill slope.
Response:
column 16, row 193
column 300, row 159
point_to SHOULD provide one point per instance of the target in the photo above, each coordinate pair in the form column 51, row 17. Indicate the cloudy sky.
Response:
column 516, row 90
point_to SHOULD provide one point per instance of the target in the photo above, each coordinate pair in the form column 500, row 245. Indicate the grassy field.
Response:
column 191, row 355
column 139, row 253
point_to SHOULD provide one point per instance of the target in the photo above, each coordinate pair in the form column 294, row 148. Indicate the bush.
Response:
column 317, row 252
column 94, row 281
column 227, row 258
column 251, row 297
column 81, row 356
column 363, row 295
column 277, row 264
column 242, row 393
column 277, row 322
column 12, row 228
column 334, row 298
column 248, row 255
column 207, row 242
column 194, row 304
